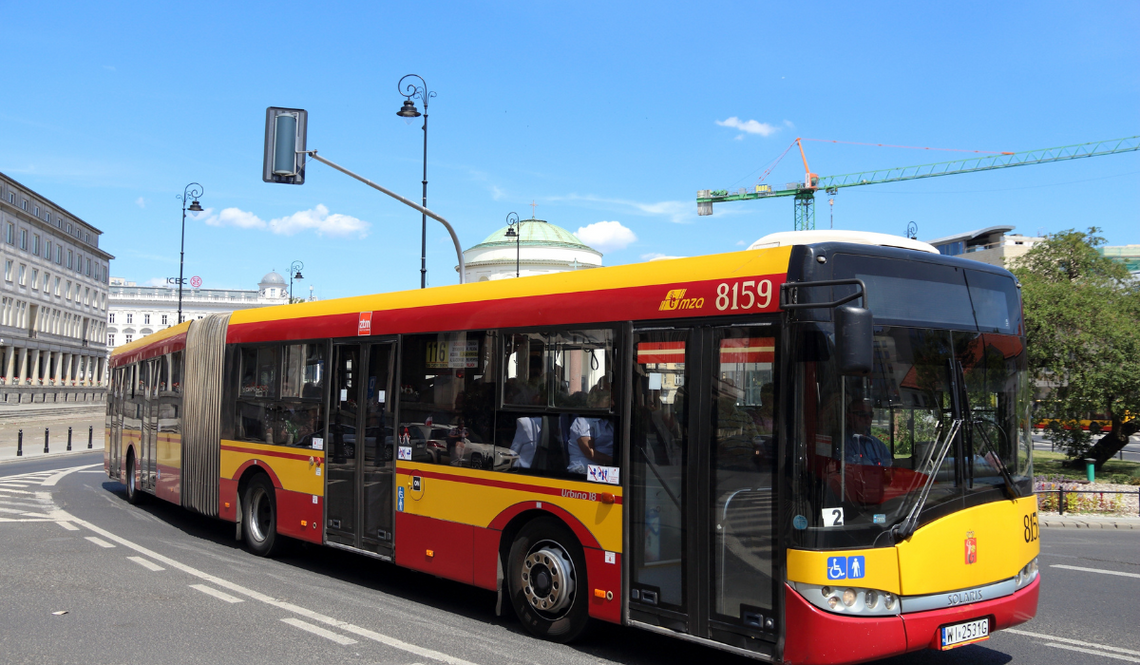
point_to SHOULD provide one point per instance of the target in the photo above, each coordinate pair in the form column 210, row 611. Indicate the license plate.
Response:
column 961, row 634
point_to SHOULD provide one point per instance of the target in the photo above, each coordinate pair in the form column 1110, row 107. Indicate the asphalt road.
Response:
column 156, row 584
column 1131, row 452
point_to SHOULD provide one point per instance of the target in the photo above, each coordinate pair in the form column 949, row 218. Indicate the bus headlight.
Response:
column 1027, row 574
column 853, row 601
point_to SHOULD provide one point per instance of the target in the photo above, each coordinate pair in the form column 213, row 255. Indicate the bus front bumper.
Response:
column 817, row 637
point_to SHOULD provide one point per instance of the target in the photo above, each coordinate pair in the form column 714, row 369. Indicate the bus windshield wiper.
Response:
column 905, row 528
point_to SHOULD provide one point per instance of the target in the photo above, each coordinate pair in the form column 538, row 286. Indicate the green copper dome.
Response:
column 534, row 232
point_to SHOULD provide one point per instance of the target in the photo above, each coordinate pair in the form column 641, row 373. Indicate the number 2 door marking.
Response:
column 833, row 517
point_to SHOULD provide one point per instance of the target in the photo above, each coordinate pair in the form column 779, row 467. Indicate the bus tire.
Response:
column 259, row 516
column 547, row 580
column 134, row 496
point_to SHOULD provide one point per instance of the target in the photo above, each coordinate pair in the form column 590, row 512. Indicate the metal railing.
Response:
column 1063, row 499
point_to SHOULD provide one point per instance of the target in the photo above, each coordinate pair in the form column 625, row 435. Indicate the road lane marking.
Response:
column 1104, row 654
column 317, row 630
column 50, row 482
column 1094, row 570
column 145, row 563
column 100, row 542
column 210, row 591
column 68, row 525
column 1053, row 638
column 288, row 607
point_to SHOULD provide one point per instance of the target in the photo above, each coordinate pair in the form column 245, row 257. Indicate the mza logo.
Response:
column 971, row 548
column 676, row 299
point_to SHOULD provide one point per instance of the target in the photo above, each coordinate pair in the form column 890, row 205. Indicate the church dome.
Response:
column 539, row 248
column 272, row 278
column 536, row 232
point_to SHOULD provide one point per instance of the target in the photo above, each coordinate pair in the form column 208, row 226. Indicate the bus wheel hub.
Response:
column 548, row 579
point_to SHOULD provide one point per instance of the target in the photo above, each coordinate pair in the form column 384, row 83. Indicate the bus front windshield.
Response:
column 866, row 447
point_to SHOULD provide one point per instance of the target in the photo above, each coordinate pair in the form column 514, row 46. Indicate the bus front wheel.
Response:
column 259, row 516
column 547, row 580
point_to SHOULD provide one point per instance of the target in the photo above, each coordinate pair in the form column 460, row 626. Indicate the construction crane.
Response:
column 804, row 192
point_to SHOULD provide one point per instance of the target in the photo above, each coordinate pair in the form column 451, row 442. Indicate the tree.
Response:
column 1082, row 323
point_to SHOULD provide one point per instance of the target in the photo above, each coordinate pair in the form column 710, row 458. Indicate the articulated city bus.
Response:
column 813, row 451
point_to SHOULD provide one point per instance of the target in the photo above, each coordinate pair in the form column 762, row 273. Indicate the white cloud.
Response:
column 317, row 219
column 156, row 281
column 655, row 256
column 140, row 202
column 496, row 193
column 741, row 243
column 789, row 124
column 749, row 126
column 606, row 236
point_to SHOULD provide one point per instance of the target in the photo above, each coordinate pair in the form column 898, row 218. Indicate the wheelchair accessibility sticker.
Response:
column 846, row 567
column 400, row 499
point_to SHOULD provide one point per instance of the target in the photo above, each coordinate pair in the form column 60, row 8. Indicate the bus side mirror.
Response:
column 854, row 331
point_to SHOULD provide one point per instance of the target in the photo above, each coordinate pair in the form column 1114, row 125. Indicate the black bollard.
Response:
column 20, row 444
column 45, row 439
column 69, row 438
column 90, row 428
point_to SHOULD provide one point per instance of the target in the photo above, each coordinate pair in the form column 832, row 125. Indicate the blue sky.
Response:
column 596, row 112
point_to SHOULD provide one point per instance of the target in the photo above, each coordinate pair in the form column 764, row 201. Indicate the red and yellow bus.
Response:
column 809, row 452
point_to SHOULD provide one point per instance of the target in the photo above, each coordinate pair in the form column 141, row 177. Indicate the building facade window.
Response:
column 70, row 257
column 111, row 317
column 10, row 234
column 164, row 319
column 128, row 337
column 8, row 270
column 130, row 317
column 23, row 275
column 35, row 279
column 88, row 272
column 57, row 282
column 24, row 239
column 110, row 339
column 36, row 245
column 146, row 319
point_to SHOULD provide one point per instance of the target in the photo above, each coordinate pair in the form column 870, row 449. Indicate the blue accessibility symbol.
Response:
column 846, row 567
column 836, row 567
column 400, row 499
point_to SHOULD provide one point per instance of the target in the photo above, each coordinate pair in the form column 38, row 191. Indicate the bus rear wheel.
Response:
column 134, row 496
column 259, row 516
column 547, row 581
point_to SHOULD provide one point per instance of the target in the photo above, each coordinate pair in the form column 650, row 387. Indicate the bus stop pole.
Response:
column 454, row 238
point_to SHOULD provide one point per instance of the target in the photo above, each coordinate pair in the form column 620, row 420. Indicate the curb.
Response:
column 38, row 456
column 1123, row 524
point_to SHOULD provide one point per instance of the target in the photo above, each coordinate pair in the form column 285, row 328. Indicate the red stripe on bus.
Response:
column 502, row 484
column 660, row 352
column 267, row 453
column 634, row 303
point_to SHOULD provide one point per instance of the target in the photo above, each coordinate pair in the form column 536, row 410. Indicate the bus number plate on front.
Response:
column 961, row 634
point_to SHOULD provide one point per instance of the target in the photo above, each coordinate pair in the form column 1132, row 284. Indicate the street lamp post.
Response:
column 294, row 267
column 407, row 112
column 514, row 230
column 193, row 191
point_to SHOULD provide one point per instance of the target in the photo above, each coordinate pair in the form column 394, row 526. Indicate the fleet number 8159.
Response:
column 749, row 294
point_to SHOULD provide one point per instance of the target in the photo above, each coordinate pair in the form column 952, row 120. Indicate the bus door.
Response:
column 114, row 430
column 359, row 458
column 703, row 461
column 149, row 425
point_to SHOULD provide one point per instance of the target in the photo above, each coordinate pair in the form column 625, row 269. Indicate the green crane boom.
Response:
column 804, row 192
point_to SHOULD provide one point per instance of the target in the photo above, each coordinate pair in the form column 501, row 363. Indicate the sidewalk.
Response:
column 1077, row 521
column 33, row 419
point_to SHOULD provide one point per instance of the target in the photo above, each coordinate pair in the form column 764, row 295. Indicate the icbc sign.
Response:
column 365, row 325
